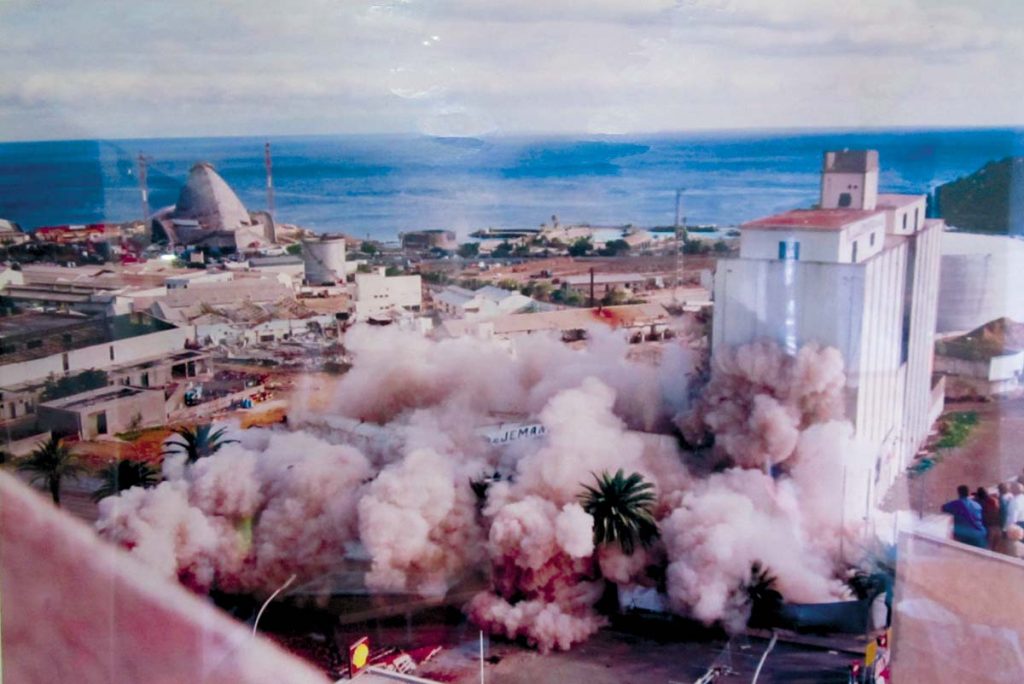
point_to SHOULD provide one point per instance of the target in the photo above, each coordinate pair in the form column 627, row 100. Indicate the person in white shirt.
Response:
column 1012, row 528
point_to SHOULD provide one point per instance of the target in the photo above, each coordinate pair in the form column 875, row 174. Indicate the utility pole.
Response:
column 680, row 240
column 270, row 178
column 143, row 162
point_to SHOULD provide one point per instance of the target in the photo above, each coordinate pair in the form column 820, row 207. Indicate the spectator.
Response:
column 967, row 525
column 990, row 516
column 1004, row 502
column 1015, row 507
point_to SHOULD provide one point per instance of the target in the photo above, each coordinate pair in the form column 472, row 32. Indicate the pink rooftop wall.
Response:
column 74, row 609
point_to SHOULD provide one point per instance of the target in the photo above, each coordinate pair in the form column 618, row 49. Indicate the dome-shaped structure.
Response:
column 207, row 199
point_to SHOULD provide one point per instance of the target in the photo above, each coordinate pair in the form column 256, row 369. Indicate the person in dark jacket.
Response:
column 967, row 525
column 990, row 517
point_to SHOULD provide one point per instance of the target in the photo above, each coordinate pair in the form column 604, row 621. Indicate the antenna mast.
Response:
column 270, row 178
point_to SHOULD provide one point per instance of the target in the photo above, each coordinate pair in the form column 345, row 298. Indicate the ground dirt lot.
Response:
column 993, row 452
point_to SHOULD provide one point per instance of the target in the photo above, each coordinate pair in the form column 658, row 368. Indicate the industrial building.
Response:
column 104, row 411
column 324, row 259
column 423, row 240
column 34, row 346
column 982, row 276
column 483, row 302
column 605, row 283
column 637, row 322
column 985, row 363
column 209, row 214
column 378, row 294
column 860, row 274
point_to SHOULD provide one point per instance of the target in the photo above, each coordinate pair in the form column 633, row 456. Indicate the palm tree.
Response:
column 197, row 442
column 51, row 462
column 123, row 475
column 762, row 596
column 622, row 510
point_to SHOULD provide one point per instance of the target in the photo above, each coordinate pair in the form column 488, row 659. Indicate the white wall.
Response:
column 377, row 293
column 817, row 245
column 862, row 188
column 96, row 356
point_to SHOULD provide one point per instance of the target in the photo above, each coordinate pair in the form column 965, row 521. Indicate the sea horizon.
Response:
column 378, row 185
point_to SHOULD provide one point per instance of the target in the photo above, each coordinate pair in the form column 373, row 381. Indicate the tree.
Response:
column 721, row 247
column 622, row 508
column 615, row 248
column 123, row 475
column 469, row 250
column 66, row 385
column 581, row 247
column 368, row 248
column 521, row 251
column 52, row 462
column 764, row 599
column 197, row 442
column 502, row 251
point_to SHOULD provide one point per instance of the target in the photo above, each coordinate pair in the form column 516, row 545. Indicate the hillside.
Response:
column 990, row 200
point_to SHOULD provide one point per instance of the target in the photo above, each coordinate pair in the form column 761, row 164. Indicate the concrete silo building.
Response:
column 982, row 278
column 861, row 274
column 324, row 259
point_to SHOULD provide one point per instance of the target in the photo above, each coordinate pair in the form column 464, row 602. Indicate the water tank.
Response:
column 981, row 279
column 324, row 259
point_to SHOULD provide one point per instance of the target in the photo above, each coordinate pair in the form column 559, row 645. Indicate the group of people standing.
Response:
column 990, row 520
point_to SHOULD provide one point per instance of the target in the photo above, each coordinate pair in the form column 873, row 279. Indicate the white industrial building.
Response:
column 483, row 302
column 36, row 346
column 982, row 278
column 860, row 274
column 324, row 259
column 377, row 294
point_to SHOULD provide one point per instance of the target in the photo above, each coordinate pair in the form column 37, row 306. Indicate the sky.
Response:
column 125, row 69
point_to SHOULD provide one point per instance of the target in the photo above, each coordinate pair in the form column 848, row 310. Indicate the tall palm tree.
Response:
column 762, row 596
column 622, row 510
column 123, row 475
column 197, row 441
column 52, row 462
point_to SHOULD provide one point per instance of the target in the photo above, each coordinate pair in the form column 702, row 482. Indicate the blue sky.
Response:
column 83, row 69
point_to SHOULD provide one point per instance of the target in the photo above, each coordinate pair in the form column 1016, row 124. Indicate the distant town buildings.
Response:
column 860, row 274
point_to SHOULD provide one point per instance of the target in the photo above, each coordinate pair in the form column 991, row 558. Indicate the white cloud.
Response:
column 467, row 67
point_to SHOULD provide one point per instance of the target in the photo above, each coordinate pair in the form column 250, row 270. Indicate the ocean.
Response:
column 378, row 186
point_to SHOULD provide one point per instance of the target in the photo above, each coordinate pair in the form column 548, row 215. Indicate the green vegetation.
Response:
column 955, row 429
column 51, row 463
column 123, row 475
column 197, row 442
column 721, row 247
column 393, row 271
column 614, row 248
column 368, row 248
column 65, row 386
column 695, row 246
column 469, row 250
column 581, row 247
column 567, row 297
column 622, row 508
column 295, row 249
column 502, row 251
column 435, row 277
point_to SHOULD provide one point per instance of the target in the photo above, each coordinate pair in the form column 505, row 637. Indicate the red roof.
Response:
column 811, row 219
